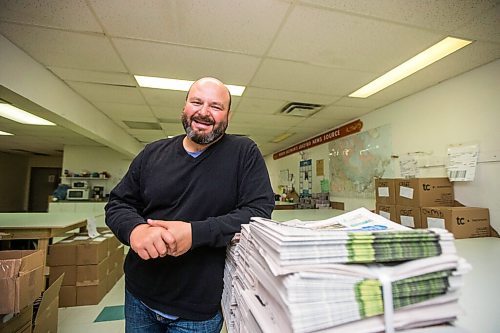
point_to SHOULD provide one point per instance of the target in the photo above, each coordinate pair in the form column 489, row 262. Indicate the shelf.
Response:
column 85, row 178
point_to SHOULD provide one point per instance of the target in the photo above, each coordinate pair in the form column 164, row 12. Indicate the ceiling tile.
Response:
column 147, row 135
column 167, row 98
column 442, row 15
column 300, row 77
column 64, row 49
column 67, row 14
column 290, row 96
column 187, row 63
column 122, row 111
column 95, row 93
column 242, row 26
column 173, row 129
column 340, row 40
column 483, row 27
column 265, row 121
column 72, row 74
column 341, row 113
column 167, row 114
column 260, row 106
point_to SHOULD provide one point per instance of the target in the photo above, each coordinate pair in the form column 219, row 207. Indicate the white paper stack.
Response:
column 307, row 277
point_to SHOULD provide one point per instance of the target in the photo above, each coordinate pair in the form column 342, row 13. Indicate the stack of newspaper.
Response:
column 357, row 272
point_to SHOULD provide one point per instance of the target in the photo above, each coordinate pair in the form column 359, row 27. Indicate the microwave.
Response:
column 77, row 194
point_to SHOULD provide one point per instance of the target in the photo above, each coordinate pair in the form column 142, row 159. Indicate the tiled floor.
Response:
column 81, row 319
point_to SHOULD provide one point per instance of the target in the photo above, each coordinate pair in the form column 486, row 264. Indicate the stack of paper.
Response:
column 300, row 277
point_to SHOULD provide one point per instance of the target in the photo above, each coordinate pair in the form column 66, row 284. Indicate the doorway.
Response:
column 43, row 182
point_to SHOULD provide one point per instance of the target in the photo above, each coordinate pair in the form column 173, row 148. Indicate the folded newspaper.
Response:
column 316, row 276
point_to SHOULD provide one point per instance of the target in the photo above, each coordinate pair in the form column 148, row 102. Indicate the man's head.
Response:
column 206, row 112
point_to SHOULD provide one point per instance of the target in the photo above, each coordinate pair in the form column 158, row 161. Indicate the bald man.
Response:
column 179, row 205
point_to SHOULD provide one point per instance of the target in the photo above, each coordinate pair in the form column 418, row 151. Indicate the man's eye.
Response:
column 217, row 107
column 196, row 102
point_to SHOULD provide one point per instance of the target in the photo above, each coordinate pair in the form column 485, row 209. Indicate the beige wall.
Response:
column 96, row 159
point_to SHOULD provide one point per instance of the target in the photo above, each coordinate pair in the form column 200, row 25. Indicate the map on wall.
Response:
column 356, row 159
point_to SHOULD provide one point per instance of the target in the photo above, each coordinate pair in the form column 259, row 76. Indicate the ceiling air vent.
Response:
column 300, row 109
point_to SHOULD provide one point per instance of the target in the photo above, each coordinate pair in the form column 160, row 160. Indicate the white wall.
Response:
column 461, row 110
column 96, row 159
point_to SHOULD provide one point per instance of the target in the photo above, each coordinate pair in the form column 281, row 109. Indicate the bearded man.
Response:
column 178, row 207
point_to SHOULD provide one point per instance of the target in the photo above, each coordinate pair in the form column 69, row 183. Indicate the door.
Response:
column 43, row 182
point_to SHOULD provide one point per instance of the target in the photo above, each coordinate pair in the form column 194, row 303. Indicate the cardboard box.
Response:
column 408, row 216
column 463, row 222
column 116, row 259
column 428, row 192
column 387, row 211
column 113, row 242
column 67, row 296
column 385, row 191
column 18, row 322
column 62, row 253
column 46, row 318
column 92, row 252
column 69, row 274
column 21, row 279
column 91, row 295
column 88, row 275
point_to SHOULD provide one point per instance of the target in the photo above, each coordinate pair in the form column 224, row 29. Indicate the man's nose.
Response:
column 203, row 109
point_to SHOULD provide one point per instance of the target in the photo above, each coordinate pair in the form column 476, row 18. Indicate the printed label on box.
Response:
column 383, row 191
column 407, row 221
column 433, row 222
column 386, row 215
column 406, row 192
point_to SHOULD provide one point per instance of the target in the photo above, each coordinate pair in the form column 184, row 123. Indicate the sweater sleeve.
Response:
column 125, row 206
column 255, row 198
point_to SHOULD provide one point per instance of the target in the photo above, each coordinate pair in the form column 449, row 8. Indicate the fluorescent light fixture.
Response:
column 5, row 133
column 11, row 112
column 180, row 85
column 421, row 60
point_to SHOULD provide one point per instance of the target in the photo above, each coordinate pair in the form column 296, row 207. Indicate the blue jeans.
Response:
column 140, row 319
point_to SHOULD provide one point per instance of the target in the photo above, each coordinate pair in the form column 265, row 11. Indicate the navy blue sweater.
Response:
column 216, row 192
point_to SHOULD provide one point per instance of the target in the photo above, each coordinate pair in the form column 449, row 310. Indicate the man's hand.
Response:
column 181, row 231
column 152, row 242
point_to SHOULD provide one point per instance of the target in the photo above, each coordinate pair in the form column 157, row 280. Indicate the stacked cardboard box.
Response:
column 38, row 317
column 385, row 198
column 429, row 203
column 400, row 200
column 463, row 222
column 116, row 257
column 91, row 268
column 21, row 279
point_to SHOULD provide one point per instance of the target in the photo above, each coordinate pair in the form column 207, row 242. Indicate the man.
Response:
column 178, row 206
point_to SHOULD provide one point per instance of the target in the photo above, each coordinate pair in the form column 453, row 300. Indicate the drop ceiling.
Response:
column 312, row 51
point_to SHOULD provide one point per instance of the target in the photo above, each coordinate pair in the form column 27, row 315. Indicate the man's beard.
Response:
column 200, row 138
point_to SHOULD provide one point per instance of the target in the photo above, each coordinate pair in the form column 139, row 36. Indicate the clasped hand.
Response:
column 160, row 238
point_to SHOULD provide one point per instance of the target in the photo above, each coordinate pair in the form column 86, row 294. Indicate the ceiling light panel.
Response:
column 13, row 113
column 180, row 85
column 418, row 62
